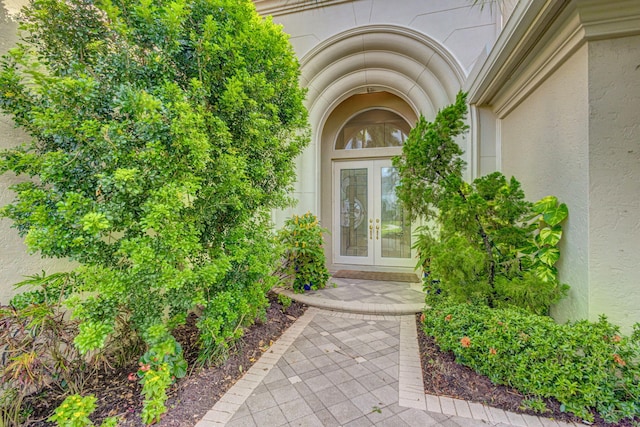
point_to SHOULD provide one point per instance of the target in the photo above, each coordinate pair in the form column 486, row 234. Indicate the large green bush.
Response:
column 161, row 134
column 483, row 241
column 585, row 365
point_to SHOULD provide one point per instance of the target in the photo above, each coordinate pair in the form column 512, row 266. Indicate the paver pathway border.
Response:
column 355, row 307
column 410, row 387
column 229, row 403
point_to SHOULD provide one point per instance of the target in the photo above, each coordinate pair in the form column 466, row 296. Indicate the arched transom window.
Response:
column 373, row 129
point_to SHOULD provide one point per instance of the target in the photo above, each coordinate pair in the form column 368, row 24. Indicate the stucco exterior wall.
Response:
column 464, row 29
column 562, row 79
column 487, row 155
column 614, row 177
column 420, row 51
column 545, row 146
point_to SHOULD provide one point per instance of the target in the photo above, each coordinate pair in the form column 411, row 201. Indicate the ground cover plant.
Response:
column 482, row 241
column 161, row 135
column 589, row 367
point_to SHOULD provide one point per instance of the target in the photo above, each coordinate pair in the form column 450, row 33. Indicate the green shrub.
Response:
column 484, row 242
column 584, row 365
column 285, row 301
column 75, row 411
column 161, row 134
column 304, row 258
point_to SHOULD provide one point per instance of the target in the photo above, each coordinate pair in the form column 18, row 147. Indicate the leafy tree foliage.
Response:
column 162, row 134
column 484, row 241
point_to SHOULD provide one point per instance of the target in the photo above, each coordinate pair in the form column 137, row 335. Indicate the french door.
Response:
column 370, row 227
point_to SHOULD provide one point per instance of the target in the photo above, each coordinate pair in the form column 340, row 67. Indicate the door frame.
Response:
column 320, row 192
column 372, row 220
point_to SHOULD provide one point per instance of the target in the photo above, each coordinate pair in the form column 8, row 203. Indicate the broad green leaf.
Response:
column 180, row 368
column 549, row 256
column 545, row 204
column 551, row 235
column 546, row 273
column 537, row 240
column 528, row 250
column 557, row 215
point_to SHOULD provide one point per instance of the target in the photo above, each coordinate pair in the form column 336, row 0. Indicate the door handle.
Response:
column 371, row 229
column 377, row 229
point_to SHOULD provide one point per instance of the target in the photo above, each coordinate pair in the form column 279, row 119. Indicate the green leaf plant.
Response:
column 74, row 411
column 36, row 347
column 160, row 137
column 589, row 367
column 304, row 259
column 482, row 242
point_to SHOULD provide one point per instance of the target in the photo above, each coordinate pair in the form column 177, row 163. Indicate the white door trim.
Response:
column 371, row 228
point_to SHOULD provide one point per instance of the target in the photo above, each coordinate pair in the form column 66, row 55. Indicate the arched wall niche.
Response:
column 338, row 117
column 375, row 66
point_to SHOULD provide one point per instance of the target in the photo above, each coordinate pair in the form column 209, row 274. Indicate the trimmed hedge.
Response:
column 585, row 365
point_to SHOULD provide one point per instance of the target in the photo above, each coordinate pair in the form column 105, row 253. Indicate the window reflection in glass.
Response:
column 373, row 129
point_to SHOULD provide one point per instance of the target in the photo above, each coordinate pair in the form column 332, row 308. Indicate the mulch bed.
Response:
column 198, row 393
column 192, row 396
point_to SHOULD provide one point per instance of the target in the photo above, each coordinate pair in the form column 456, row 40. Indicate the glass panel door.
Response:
column 370, row 225
column 354, row 203
column 352, row 231
column 395, row 223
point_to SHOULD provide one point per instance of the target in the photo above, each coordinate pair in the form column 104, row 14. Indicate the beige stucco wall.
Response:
column 562, row 80
column 545, row 146
column 417, row 50
column 614, row 179
column 463, row 29
column 15, row 263
column 485, row 126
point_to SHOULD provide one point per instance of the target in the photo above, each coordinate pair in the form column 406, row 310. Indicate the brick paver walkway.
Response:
column 344, row 369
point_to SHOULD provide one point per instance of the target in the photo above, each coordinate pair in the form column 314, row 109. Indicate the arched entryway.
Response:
column 364, row 74
column 369, row 228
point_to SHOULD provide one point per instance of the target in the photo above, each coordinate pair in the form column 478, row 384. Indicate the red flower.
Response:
column 465, row 342
column 132, row 376
column 493, row 351
column 619, row 360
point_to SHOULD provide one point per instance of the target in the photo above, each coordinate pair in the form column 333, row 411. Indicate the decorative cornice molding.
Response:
column 538, row 38
column 390, row 58
column 284, row 7
column 607, row 19
column 518, row 38
column 549, row 54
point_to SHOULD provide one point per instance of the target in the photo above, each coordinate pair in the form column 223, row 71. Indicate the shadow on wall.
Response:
column 8, row 29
